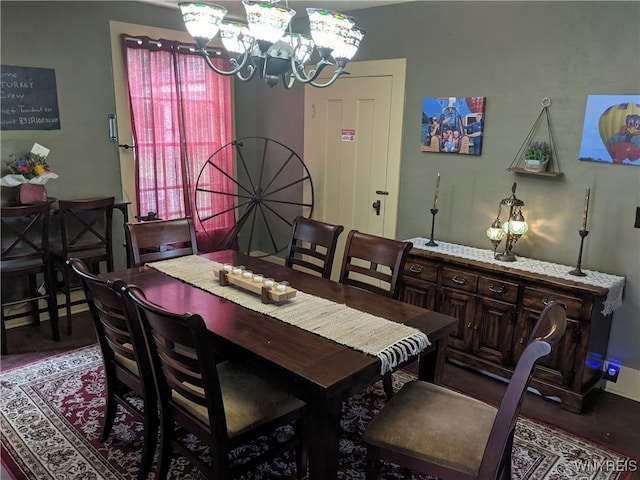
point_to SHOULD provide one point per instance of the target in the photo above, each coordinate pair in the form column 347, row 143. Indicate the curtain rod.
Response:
column 183, row 46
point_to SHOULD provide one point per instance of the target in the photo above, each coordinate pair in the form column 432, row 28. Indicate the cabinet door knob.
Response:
column 522, row 340
column 459, row 280
column 497, row 288
column 469, row 325
column 546, row 300
column 475, row 327
column 415, row 268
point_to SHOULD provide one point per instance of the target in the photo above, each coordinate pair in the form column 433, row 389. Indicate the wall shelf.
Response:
column 520, row 170
column 517, row 165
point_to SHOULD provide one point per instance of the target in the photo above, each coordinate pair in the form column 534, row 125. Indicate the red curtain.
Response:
column 181, row 115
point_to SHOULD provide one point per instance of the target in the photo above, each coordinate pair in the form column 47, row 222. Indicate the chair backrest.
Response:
column 313, row 245
column 375, row 258
column 549, row 328
column 87, row 227
column 25, row 233
column 118, row 330
column 161, row 239
column 184, row 363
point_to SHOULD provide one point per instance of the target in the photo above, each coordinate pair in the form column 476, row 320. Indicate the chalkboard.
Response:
column 28, row 98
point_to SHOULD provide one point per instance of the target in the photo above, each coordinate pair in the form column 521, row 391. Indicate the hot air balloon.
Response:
column 475, row 104
column 619, row 128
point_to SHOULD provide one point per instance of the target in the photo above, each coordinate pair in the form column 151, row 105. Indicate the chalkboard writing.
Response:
column 28, row 98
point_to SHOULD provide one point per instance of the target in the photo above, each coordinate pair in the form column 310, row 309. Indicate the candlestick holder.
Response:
column 431, row 243
column 577, row 271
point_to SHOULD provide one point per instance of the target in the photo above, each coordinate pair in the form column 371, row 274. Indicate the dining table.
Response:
column 318, row 370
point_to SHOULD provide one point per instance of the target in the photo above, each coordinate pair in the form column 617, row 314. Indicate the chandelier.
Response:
column 266, row 46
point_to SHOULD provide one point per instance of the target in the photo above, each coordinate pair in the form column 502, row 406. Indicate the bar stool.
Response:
column 86, row 231
column 25, row 253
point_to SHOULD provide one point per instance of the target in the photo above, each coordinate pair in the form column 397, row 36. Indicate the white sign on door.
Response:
column 348, row 135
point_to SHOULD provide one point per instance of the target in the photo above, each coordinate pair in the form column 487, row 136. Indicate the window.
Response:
column 181, row 114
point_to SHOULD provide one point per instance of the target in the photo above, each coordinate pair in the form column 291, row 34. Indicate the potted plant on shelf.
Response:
column 537, row 156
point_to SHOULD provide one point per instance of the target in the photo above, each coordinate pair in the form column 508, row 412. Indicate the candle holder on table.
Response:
column 431, row 243
column 434, row 212
column 578, row 271
column 269, row 290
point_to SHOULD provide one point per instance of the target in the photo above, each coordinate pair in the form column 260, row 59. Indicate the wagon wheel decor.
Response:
column 266, row 189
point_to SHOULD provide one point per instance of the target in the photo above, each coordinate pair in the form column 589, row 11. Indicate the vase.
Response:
column 535, row 165
column 29, row 193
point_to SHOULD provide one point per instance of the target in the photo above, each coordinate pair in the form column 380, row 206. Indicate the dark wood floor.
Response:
column 610, row 420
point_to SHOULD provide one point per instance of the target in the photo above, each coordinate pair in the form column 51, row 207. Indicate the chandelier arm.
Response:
column 303, row 76
column 237, row 65
column 339, row 72
column 251, row 71
column 288, row 82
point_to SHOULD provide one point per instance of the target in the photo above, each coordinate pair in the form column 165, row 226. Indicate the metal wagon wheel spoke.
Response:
column 266, row 189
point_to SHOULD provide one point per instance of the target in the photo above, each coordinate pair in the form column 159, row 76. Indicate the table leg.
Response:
column 323, row 439
column 431, row 366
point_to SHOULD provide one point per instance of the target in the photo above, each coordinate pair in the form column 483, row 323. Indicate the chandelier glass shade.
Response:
column 265, row 46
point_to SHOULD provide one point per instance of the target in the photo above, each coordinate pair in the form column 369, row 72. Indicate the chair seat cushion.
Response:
column 17, row 265
column 434, row 424
column 127, row 363
column 249, row 400
column 86, row 255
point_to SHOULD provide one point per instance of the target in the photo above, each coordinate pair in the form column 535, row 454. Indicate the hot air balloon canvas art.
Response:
column 453, row 125
column 611, row 131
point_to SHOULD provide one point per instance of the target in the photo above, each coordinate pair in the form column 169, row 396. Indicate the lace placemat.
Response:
column 613, row 283
column 393, row 343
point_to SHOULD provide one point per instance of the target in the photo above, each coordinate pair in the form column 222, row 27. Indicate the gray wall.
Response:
column 514, row 53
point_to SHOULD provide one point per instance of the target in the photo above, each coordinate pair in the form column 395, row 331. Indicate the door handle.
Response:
column 376, row 206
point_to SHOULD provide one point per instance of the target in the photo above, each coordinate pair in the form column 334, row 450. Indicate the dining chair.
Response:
column 127, row 365
column 312, row 245
column 223, row 403
column 85, row 232
column 375, row 264
column 25, row 254
column 160, row 240
column 440, row 432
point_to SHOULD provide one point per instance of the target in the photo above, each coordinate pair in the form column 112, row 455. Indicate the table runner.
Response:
column 393, row 343
column 613, row 283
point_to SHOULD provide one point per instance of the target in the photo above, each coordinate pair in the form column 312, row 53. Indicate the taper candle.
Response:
column 435, row 196
column 585, row 214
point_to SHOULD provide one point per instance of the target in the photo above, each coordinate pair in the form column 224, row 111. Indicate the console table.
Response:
column 497, row 304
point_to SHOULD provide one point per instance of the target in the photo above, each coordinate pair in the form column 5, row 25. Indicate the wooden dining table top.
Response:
column 320, row 371
column 301, row 355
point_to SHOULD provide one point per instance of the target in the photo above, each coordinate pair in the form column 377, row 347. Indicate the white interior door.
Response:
column 352, row 140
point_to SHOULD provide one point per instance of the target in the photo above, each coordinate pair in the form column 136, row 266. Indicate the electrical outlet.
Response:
column 612, row 372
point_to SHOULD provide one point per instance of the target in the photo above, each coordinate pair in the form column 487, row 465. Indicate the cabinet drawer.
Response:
column 498, row 289
column 538, row 298
column 422, row 269
column 459, row 279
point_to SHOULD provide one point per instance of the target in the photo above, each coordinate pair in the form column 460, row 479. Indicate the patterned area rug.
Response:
column 51, row 416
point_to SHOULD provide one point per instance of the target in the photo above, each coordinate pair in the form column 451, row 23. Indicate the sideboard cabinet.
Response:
column 497, row 304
